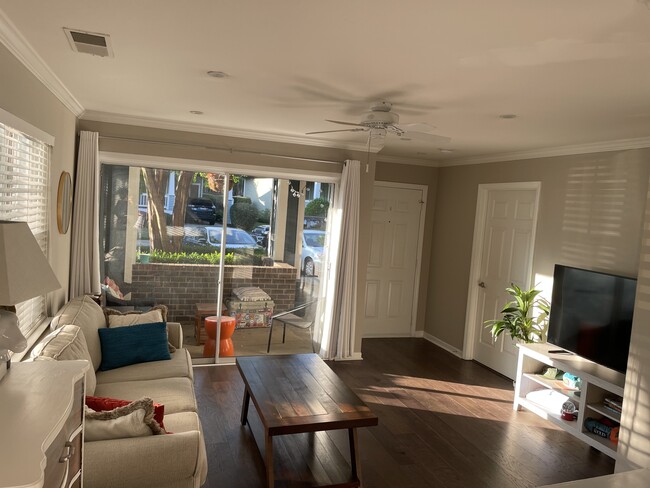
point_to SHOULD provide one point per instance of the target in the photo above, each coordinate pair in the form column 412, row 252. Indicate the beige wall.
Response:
column 415, row 175
column 590, row 215
column 27, row 98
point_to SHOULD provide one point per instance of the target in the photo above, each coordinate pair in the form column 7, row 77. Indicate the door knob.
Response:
column 481, row 284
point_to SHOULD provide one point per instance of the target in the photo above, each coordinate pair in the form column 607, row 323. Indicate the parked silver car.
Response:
column 313, row 243
column 211, row 236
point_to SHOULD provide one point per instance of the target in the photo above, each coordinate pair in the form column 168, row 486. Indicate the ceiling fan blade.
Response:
column 420, row 127
column 343, row 123
column 424, row 136
column 339, row 130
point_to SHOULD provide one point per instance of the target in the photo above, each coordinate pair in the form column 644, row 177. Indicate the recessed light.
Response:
column 508, row 116
column 217, row 74
column 445, row 151
column 196, row 112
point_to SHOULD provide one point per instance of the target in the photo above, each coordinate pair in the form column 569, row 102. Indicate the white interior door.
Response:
column 392, row 265
column 506, row 255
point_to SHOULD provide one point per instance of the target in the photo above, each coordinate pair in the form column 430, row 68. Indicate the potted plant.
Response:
column 518, row 319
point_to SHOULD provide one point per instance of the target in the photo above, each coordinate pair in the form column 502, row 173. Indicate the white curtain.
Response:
column 84, row 254
column 335, row 336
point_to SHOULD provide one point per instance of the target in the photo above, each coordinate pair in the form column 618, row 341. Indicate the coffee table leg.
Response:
column 269, row 460
column 244, row 407
column 354, row 459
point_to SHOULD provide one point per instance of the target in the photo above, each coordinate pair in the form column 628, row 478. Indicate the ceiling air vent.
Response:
column 89, row 42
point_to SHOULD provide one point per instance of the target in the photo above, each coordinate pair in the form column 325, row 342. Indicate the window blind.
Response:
column 24, row 180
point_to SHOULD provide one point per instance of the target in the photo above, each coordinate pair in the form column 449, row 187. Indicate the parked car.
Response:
column 261, row 234
column 314, row 222
column 211, row 236
column 313, row 243
column 201, row 211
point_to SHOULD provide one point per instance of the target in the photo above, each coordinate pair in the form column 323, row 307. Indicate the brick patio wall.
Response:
column 181, row 286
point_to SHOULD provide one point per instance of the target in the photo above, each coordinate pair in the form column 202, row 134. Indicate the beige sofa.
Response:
column 172, row 460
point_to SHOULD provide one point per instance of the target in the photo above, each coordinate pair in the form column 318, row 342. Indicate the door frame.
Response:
column 477, row 250
column 418, row 257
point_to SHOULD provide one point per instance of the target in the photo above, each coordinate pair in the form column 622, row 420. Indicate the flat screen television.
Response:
column 591, row 315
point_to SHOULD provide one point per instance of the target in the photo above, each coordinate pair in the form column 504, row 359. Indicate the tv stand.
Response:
column 597, row 383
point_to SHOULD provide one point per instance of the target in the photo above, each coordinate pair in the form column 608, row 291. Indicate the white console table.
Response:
column 41, row 421
column 597, row 383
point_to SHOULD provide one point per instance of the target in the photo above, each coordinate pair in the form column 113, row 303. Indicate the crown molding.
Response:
column 16, row 43
column 596, row 147
column 155, row 123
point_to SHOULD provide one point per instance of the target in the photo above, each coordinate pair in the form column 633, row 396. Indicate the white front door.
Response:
column 506, row 255
column 392, row 265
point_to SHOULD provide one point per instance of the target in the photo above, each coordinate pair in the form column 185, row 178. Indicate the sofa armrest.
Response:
column 175, row 334
column 159, row 460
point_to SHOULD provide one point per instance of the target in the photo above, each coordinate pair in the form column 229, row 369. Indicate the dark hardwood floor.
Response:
column 443, row 422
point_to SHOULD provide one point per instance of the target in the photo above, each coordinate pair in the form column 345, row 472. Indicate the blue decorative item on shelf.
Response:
column 572, row 381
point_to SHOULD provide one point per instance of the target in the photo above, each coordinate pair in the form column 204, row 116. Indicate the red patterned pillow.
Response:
column 101, row 404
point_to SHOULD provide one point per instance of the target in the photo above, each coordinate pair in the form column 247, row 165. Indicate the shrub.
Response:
column 318, row 207
column 212, row 258
column 241, row 199
column 244, row 215
column 264, row 216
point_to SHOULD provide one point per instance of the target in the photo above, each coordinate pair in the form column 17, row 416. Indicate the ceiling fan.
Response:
column 379, row 121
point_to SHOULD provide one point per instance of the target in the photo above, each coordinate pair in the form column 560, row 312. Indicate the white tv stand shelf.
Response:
column 597, row 383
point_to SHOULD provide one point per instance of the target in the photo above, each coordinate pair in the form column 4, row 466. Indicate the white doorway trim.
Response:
column 418, row 258
column 477, row 249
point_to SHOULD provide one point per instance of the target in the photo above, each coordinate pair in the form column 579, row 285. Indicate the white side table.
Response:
column 41, row 420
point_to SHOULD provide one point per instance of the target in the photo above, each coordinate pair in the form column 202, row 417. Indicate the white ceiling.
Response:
column 575, row 72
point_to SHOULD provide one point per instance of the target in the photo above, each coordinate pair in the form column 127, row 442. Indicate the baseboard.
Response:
column 442, row 344
column 356, row 356
column 418, row 333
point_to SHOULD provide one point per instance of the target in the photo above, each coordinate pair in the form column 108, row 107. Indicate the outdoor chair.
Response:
column 289, row 317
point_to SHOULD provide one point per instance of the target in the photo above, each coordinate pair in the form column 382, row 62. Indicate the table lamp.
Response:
column 24, row 274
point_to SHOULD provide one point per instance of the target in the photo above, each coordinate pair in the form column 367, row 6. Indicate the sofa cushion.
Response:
column 88, row 315
column 180, row 366
column 176, row 460
column 177, row 394
column 66, row 343
column 135, row 419
column 142, row 343
column 182, row 422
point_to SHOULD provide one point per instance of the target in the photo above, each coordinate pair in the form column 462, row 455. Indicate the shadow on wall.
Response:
column 596, row 222
column 635, row 432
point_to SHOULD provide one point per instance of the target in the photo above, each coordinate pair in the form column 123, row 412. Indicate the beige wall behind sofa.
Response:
column 26, row 97
column 590, row 215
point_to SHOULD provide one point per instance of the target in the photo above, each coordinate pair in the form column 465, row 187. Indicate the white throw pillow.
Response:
column 135, row 318
column 67, row 343
column 157, row 314
column 132, row 420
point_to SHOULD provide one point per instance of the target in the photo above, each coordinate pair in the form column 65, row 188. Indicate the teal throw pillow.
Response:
column 122, row 346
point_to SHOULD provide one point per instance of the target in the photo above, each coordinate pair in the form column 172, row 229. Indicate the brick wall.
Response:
column 181, row 286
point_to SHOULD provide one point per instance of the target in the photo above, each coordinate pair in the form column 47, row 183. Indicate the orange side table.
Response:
column 226, row 347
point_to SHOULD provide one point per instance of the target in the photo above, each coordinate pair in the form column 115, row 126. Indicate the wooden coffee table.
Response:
column 300, row 393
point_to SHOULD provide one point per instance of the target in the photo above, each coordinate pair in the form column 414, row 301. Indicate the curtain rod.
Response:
column 225, row 149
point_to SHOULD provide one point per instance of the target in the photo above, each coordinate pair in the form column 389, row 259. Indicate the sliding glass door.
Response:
column 251, row 250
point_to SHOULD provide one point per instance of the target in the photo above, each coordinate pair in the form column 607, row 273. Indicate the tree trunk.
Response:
column 180, row 207
column 156, row 182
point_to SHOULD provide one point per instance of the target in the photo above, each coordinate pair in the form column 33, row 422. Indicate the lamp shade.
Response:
column 24, row 270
